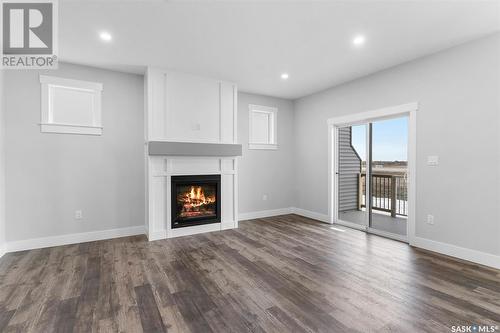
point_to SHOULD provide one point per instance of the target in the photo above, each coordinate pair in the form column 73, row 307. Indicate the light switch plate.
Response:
column 432, row 160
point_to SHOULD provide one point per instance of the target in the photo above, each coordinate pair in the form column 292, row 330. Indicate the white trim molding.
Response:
column 262, row 146
column 76, row 84
column 272, row 123
column 378, row 114
column 283, row 211
column 264, row 213
column 156, row 235
column 70, row 129
column 310, row 214
column 37, row 243
column 463, row 253
column 91, row 90
column 2, row 250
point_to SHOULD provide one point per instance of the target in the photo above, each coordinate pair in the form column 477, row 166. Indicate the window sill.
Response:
column 70, row 129
column 262, row 146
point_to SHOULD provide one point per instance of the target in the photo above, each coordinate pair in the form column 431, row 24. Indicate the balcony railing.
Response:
column 389, row 193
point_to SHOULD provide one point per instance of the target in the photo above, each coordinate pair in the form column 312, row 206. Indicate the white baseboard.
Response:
column 310, row 214
column 2, row 250
column 156, row 235
column 37, row 243
column 229, row 226
column 478, row 257
column 284, row 211
column 264, row 213
column 194, row 230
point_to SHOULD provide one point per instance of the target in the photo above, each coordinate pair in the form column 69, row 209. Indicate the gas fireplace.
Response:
column 195, row 200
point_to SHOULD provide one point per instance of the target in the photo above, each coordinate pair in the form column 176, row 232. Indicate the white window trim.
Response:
column 273, row 130
column 48, row 126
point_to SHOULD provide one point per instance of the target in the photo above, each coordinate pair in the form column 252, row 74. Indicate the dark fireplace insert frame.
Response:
column 194, row 180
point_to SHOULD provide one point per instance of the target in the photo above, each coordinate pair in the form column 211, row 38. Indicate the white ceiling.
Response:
column 252, row 43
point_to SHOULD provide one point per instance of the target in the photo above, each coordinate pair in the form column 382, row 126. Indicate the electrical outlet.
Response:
column 264, row 197
column 430, row 219
column 78, row 214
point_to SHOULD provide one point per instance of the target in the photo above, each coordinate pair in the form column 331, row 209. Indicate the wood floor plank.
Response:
column 280, row 274
column 190, row 312
column 66, row 315
column 5, row 318
column 85, row 318
column 150, row 316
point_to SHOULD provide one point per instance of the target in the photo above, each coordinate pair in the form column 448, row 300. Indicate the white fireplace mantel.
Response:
column 188, row 111
column 162, row 168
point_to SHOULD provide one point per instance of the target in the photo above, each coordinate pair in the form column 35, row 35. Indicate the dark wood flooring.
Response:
column 280, row 274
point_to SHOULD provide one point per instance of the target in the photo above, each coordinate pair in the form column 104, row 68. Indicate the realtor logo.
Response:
column 29, row 36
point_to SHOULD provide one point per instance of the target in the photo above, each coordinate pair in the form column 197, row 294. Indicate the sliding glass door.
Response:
column 388, row 170
column 371, row 176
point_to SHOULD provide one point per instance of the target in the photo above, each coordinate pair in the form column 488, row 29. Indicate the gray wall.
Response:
column 49, row 176
column 268, row 172
column 459, row 95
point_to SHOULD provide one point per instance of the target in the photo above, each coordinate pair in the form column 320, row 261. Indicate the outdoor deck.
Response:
column 380, row 221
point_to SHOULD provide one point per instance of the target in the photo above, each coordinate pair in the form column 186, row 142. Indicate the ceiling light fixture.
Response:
column 359, row 40
column 284, row 76
column 105, row 36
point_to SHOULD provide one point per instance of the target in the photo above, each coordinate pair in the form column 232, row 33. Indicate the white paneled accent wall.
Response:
column 183, row 107
column 189, row 108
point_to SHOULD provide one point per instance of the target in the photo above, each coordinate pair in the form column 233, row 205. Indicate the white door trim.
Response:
column 365, row 117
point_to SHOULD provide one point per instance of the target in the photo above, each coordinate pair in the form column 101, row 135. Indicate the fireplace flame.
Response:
column 196, row 198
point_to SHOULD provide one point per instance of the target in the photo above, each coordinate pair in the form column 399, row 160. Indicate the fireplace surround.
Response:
column 163, row 169
column 195, row 200
column 191, row 129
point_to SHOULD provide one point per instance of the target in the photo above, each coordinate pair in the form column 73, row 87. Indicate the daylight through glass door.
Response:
column 389, row 176
column 373, row 158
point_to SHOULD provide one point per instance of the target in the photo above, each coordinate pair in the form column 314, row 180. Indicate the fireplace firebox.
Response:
column 195, row 200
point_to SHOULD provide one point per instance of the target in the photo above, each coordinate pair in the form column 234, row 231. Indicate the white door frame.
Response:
column 363, row 118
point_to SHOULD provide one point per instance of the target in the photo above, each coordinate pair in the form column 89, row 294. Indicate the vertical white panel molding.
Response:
column 182, row 107
column 188, row 108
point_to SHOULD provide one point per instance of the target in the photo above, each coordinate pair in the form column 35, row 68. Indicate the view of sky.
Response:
column 390, row 140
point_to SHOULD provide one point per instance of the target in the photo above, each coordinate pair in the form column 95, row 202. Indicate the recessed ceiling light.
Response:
column 359, row 40
column 105, row 36
column 284, row 76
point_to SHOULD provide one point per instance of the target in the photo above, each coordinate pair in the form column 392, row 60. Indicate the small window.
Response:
column 263, row 121
column 70, row 106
